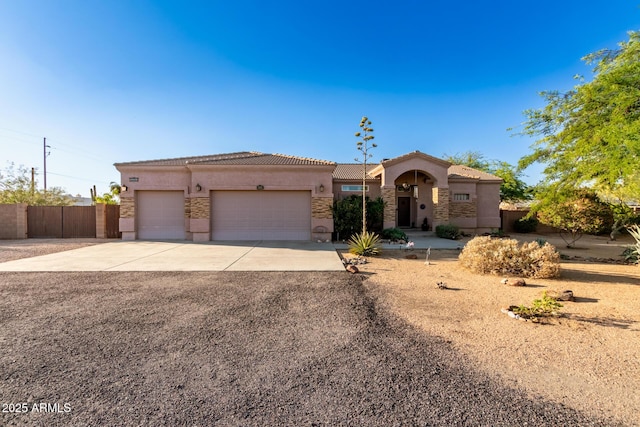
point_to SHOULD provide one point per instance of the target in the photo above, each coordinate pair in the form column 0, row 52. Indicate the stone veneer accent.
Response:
column 463, row 209
column 187, row 208
column 440, row 205
column 389, row 198
column 322, row 207
column 200, row 207
column 127, row 207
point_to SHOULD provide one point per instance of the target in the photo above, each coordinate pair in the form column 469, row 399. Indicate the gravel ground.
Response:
column 234, row 348
column 27, row 248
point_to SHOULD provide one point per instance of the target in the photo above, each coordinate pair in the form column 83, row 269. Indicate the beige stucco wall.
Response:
column 488, row 206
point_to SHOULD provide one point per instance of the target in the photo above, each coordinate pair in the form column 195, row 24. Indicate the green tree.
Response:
column 512, row 189
column 473, row 159
column 363, row 146
column 590, row 135
column 112, row 197
column 576, row 213
column 16, row 187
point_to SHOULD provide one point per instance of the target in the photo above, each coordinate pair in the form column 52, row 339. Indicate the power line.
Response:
column 77, row 178
column 55, row 142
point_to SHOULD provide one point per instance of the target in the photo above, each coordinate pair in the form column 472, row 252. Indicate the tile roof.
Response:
column 460, row 171
column 239, row 158
column 351, row 171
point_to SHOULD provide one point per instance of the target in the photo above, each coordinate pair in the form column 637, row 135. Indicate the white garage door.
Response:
column 261, row 215
column 160, row 215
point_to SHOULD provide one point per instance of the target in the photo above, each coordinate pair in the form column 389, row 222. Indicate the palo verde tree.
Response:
column 364, row 144
column 590, row 135
column 576, row 213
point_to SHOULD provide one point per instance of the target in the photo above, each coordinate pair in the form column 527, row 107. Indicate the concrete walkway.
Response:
column 187, row 256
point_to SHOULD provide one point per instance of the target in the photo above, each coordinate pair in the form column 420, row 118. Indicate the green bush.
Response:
column 448, row 231
column 543, row 307
column 525, row 225
column 394, row 234
column 486, row 255
column 347, row 215
column 364, row 244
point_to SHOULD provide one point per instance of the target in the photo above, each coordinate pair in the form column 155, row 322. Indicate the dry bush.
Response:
column 487, row 255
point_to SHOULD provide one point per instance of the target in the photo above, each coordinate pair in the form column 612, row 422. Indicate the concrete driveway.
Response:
column 187, row 256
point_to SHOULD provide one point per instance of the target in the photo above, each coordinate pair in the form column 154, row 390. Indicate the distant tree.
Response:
column 590, row 135
column 16, row 187
column 473, row 159
column 512, row 189
column 363, row 146
column 112, row 197
column 576, row 213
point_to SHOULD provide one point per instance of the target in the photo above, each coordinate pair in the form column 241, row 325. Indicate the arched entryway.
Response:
column 413, row 199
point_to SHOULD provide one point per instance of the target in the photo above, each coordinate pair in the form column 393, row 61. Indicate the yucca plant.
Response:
column 364, row 244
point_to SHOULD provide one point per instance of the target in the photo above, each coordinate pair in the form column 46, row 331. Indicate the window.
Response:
column 354, row 188
column 461, row 197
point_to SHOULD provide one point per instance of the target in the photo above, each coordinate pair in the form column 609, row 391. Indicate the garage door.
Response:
column 160, row 215
column 261, row 215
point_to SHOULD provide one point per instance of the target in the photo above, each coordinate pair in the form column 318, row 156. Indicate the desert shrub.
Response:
column 486, row 255
column 394, row 234
column 525, row 225
column 448, row 231
column 364, row 244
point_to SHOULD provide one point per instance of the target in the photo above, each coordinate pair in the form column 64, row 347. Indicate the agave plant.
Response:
column 634, row 251
column 364, row 244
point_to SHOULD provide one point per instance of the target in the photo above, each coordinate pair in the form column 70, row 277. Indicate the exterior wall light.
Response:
column 198, row 187
column 260, row 187
column 123, row 188
column 321, row 188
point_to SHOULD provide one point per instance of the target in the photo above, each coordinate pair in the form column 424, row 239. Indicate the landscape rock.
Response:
column 565, row 295
column 352, row 269
column 514, row 282
column 411, row 256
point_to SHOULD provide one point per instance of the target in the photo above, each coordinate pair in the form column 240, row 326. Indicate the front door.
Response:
column 404, row 211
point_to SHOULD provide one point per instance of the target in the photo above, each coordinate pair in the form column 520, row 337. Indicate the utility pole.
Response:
column 45, row 146
column 33, row 180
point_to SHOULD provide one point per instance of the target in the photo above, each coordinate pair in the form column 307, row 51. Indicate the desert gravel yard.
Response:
column 236, row 349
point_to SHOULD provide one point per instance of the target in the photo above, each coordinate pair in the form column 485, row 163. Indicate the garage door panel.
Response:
column 160, row 215
column 261, row 215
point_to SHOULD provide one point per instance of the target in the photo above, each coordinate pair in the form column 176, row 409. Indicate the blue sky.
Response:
column 116, row 81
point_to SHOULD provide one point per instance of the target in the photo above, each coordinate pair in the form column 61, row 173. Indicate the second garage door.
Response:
column 261, row 215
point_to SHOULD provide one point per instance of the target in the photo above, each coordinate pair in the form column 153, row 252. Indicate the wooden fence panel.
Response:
column 44, row 221
column 78, row 221
column 112, row 213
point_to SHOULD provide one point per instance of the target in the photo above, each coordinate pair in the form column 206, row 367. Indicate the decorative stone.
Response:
column 565, row 295
column 411, row 256
column 352, row 269
column 441, row 285
column 513, row 282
